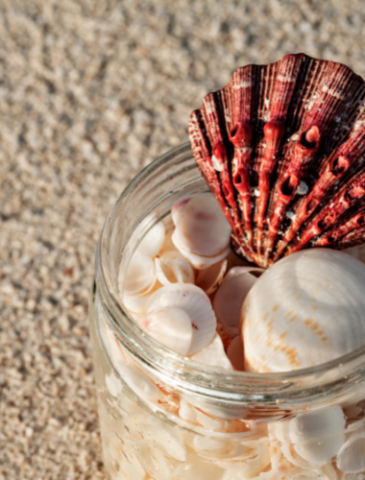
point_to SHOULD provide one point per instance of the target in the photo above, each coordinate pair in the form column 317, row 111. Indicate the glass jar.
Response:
column 166, row 417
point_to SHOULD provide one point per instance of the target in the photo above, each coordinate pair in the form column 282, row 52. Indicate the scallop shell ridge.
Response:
column 282, row 148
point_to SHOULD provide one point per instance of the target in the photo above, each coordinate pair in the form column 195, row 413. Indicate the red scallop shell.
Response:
column 282, row 148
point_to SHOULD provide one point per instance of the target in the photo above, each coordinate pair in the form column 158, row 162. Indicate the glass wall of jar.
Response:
column 166, row 417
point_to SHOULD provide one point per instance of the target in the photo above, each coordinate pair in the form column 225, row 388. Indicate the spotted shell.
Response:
column 282, row 148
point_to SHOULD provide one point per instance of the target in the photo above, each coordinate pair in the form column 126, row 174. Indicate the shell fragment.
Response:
column 171, row 267
column 230, row 296
column 140, row 276
column 152, row 241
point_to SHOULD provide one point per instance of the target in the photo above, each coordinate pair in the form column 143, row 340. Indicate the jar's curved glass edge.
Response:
column 348, row 366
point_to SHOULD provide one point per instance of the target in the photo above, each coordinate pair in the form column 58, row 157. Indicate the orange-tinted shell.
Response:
column 282, row 147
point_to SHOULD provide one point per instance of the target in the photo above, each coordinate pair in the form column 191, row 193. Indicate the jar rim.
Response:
column 293, row 387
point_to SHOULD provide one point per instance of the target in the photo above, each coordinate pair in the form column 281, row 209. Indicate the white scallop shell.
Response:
column 318, row 435
column 230, row 296
column 195, row 303
column 351, row 457
column 171, row 327
column 235, row 353
column 152, row 241
column 139, row 277
column 211, row 277
column 201, row 225
column 306, row 309
column 213, row 355
column 171, row 267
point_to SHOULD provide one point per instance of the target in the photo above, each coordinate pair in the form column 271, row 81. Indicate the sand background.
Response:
column 90, row 92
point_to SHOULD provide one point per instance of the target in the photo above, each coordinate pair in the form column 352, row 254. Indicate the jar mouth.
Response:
column 180, row 174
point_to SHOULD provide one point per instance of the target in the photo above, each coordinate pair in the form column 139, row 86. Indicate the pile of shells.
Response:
column 184, row 286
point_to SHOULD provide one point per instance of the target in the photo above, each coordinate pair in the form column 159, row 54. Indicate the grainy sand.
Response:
column 90, row 92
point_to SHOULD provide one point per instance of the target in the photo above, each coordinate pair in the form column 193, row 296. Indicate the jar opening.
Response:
column 147, row 200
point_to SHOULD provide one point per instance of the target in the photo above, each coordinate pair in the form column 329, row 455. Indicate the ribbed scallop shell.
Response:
column 282, row 148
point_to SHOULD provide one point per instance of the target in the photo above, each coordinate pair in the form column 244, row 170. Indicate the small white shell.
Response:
column 353, row 412
column 130, row 464
column 165, row 437
column 235, row 353
column 213, row 355
column 171, row 327
column 113, row 384
column 137, row 381
column 195, row 303
column 318, row 435
column 220, row 413
column 353, row 251
column 211, row 277
column 208, row 422
column 153, row 461
column 186, row 411
column 173, row 269
column 202, row 442
column 361, row 253
column 351, row 457
column 308, row 473
column 249, row 464
column 230, row 296
column 196, row 468
column 152, row 241
column 353, row 476
column 212, row 450
column 201, row 225
column 136, row 304
column 139, row 277
column 306, row 309
column 197, row 260
column 353, row 426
